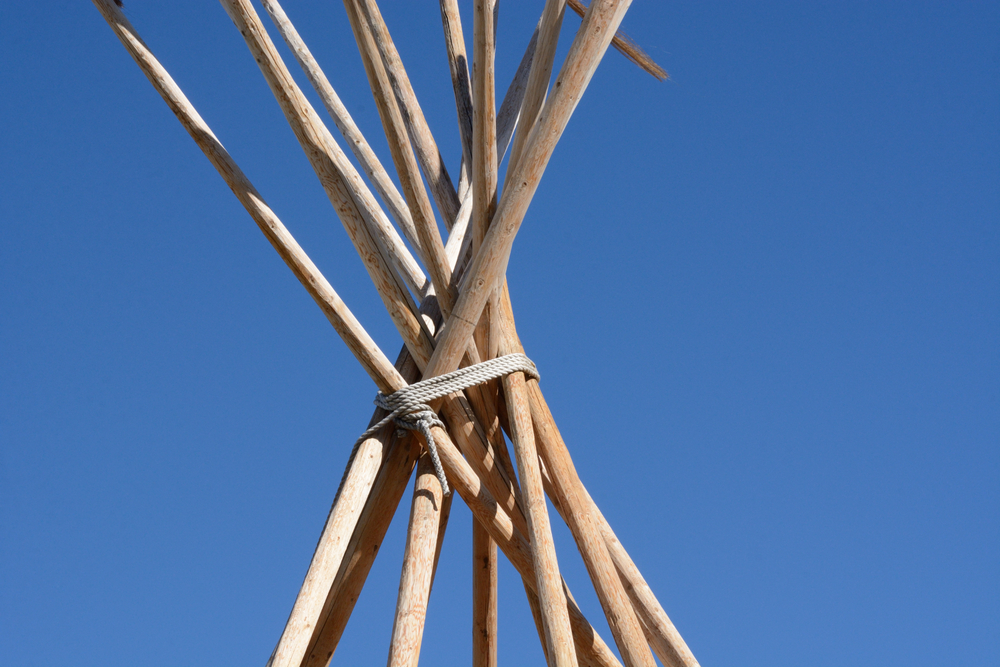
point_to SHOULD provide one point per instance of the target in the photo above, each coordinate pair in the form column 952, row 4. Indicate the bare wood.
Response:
column 627, row 47
column 418, row 562
column 660, row 632
column 385, row 495
column 333, row 542
column 352, row 134
column 555, row 616
column 403, row 158
column 484, row 597
column 318, row 144
column 340, row 180
column 442, row 526
column 510, row 108
column 538, row 80
column 615, row 602
column 430, row 158
column 663, row 637
column 350, row 330
column 482, row 147
column 536, row 616
column 384, row 378
column 458, row 64
column 666, row 641
column 484, row 129
column 489, row 264
column 467, row 484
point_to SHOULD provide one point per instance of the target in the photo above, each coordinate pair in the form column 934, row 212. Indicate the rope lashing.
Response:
column 409, row 407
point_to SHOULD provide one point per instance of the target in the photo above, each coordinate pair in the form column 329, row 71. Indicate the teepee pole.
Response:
column 490, row 262
column 393, row 271
column 348, row 128
column 624, row 44
column 484, row 597
column 418, row 561
column 555, row 616
column 347, row 326
column 341, row 182
column 663, row 637
column 483, row 160
column 343, row 593
column 538, row 81
column 660, row 632
column 510, row 109
column 403, row 158
column 433, row 167
column 617, row 607
column 458, row 65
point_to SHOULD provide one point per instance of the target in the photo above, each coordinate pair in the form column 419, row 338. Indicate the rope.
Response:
column 409, row 407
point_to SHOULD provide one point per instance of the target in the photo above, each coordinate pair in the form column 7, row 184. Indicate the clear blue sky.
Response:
column 764, row 298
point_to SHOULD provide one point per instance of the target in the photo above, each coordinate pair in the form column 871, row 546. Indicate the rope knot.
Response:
column 410, row 407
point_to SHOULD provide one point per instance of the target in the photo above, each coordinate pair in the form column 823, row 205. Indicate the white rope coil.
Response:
column 410, row 406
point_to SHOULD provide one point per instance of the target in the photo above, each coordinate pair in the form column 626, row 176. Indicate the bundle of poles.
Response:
column 457, row 314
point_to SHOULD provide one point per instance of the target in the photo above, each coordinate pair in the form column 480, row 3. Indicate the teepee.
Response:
column 461, row 386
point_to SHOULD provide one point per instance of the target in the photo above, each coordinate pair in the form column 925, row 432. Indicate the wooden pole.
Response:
column 538, row 80
column 372, row 525
column 484, row 597
column 352, row 134
column 432, row 163
column 403, row 158
column 555, row 616
column 615, row 602
column 484, row 128
column 660, row 632
column 482, row 148
column 418, row 562
column 346, row 325
column 458, row 65
column 337, row 175
column 490, row 262
column 375, row 363
column 513, row 99
column 627, row 47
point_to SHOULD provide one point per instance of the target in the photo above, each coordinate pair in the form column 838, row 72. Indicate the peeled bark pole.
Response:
column 458, row 65
column 554, row 613
column 418, row 562
column 490, row 262
column 352, row 134
column 432, row 163
column 403, row 158
column 538, row 80
column 484, row 597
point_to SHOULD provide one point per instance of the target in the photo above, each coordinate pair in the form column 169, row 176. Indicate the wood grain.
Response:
column 338, row 177
column 555, row 616
column 489, row 265
column 418, row 562
column 538, row 80
column 430, row 158
column 458, row 66
column 352, row 135
column 375, row 363
column 484, row 597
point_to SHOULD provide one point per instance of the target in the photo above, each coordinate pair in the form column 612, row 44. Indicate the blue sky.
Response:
column 764, row 297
